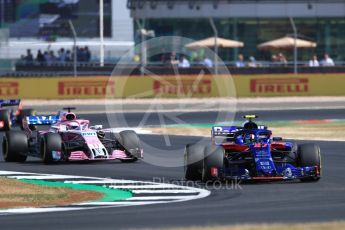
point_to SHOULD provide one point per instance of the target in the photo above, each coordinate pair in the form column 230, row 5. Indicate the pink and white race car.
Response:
column 69, row 139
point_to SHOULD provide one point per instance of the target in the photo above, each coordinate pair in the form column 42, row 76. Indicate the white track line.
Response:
column 123, row 203
column 158, row 198
column 107, row 181
column 154, row 186
column 35, row 210
column 161, row 191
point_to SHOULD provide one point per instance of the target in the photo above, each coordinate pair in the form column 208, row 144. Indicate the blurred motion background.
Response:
column 43, row 25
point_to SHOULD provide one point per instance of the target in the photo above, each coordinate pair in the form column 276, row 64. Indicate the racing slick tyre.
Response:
column 15, row 146
column 309, row 156
column 213, row 161
column 26, row 113
column 130, row 141
column 193, row 161
column 50, row 143
column 5, row 120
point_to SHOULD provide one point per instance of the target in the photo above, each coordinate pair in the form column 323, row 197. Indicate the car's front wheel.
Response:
column 309, row 156
column 51, row 148
column 131, row 144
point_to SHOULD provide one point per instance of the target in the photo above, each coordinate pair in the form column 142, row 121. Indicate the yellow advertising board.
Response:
column 56, row 88
column 290, row 85
column 173, row 86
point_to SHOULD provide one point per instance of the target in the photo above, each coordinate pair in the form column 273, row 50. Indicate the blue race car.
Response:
column 12, row 114
column 250, row 153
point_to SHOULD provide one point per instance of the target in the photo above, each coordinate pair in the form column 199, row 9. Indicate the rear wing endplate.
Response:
column 4, row 103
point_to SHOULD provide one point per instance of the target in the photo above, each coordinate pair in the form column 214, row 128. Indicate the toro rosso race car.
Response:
column 12, row 113
column 249, row 153
column 69, row 139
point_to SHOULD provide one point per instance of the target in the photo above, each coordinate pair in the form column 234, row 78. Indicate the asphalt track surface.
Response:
column 251, row 203
column 135, row 119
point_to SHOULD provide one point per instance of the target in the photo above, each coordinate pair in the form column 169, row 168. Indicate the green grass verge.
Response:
column 109, row 194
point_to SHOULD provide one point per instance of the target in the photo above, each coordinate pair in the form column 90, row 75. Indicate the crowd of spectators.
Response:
column 83, row 55
column 326, row 61
column 180, row 60
column 280, row 60
column 62, row 56
column 277, row 60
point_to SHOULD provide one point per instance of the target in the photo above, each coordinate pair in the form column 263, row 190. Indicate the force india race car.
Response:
column 69, row 139
column 249, row 153
column 12, row 113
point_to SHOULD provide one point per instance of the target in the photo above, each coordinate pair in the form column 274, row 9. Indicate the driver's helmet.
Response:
column 73, row 126
column 250, row 125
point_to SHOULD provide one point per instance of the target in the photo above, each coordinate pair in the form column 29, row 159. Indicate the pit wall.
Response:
column 173, row 86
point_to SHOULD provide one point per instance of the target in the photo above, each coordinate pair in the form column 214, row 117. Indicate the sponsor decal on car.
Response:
column 9, row 89
column 42, row 120
column 88, row 134
column 279, row 85
column 86, row 88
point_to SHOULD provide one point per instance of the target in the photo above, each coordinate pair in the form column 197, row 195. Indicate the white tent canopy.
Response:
column 210, row 42
column 286, row 43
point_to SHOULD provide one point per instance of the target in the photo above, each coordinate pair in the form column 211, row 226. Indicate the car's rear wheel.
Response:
column 51, row 148
column 213, row 163
column 15, row 146
column 193, row 161
column 309, row 156
column 5, row 120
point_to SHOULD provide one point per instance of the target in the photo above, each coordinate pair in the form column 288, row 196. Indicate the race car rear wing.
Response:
column 225, row 130
column 14, row 102
column 42, row 120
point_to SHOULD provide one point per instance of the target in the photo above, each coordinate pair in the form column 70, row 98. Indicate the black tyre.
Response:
column 15, row 146
column 5, row 119
column 26, row 113
column 50, row 143
column 309, row 156
column 130, row 142
column 193, row 161
column 214, row 159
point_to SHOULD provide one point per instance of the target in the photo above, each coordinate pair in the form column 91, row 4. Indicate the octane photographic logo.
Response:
column 170, row 101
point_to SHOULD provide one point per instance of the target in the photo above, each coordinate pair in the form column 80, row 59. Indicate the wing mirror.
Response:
column 97, row 127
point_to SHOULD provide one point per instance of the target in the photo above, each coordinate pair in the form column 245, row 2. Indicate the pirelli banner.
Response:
column 116, row 87
column 173, row 86
column 290, row 85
